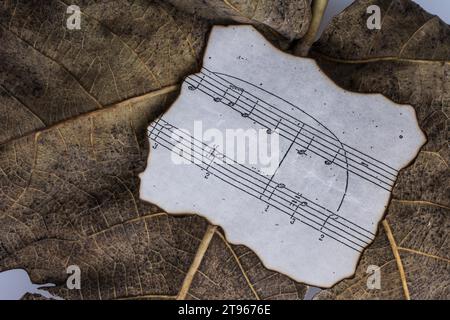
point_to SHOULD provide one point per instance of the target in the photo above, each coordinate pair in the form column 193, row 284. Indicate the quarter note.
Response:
column 193, row 88
column 269, row 131
column 219, row 99
column 294, row 203
column 298, row 196
column 303, row 151
column 247, row 114
column 332, row 216
column 278, row 186
column 328, row 162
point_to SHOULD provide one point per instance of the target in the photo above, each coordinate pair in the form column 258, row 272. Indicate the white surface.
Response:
column 14, row 284
column 369, row 136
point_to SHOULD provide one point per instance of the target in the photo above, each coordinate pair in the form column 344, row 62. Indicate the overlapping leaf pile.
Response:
column 74, row 106
column 74, row 109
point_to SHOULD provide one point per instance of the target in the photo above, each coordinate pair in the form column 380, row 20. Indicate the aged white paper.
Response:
column 309, row 216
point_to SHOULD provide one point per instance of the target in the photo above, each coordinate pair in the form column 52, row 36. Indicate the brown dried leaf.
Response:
column 74, row 109
column 408, row 60
column 49, row 73
column 69, row 195
column 235, row 272
column 289, row 18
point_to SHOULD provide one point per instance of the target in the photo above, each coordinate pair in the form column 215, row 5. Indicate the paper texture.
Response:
column 334, row 157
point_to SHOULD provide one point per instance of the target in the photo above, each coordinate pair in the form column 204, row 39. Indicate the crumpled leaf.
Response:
column 288, row 18
column 408, row 61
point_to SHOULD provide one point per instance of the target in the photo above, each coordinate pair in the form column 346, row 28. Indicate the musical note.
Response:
column 303, row 151
column 328, row 162
column 296, row 204
column 360, row 164
column 239, row 90
column 168, row 126
column 231, row 95
column 219, row 99
column 332, row 216
column 278, row 186
column 247, row 114
column 281, row 198
column 269, row 131
column 193, row 88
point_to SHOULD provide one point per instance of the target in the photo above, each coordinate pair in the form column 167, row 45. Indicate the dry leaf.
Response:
column 69, row 196
column 288, row 18
column 49, row 73
column 75, row 105
column 407, row 61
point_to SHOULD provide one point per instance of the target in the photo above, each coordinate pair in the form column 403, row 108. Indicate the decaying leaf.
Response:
column 408, row 60
column 74, row 108
column 235, row 272
column 68, row 188
column 49, row 73
column 69, row 196
column 288, row 18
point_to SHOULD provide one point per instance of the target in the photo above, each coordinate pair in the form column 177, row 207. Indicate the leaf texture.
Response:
column 408, row 61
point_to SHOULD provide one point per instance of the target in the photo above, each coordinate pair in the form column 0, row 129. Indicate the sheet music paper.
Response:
column 313, row 213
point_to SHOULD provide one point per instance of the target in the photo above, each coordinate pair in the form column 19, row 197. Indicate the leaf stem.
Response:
column 318, row 9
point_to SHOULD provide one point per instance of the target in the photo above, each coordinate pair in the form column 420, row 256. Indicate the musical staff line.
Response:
column 388, row 168
column 315, row 152
column 366, row 170
column 281, row 198
column 308, row 129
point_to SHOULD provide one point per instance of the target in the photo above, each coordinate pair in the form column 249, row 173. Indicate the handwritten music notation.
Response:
column 305, row 137
column 276, row 195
